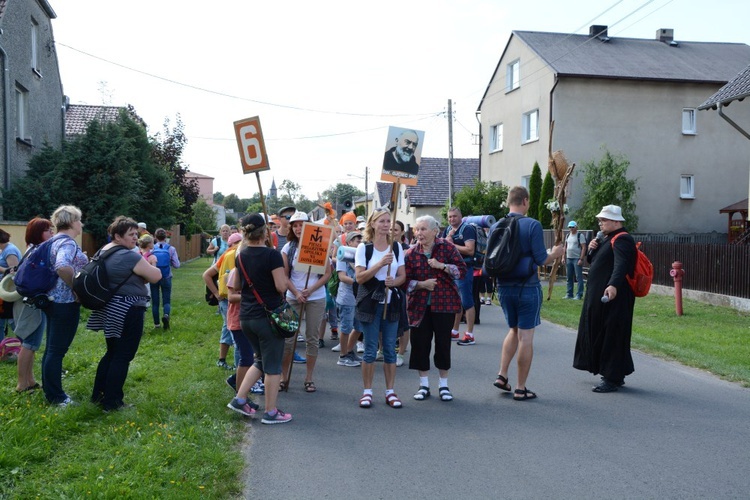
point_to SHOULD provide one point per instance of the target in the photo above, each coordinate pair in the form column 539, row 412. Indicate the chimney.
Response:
column 665, row 35
column 598, row 30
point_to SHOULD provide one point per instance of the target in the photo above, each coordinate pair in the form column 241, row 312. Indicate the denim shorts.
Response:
column 522, row 305
column 34, row 340
column 347, row 321
column 465, row 289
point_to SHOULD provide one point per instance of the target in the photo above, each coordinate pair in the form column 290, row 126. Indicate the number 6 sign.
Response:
column 251, row 145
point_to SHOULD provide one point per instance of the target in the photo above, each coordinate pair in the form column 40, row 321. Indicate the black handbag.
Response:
column 284, row 319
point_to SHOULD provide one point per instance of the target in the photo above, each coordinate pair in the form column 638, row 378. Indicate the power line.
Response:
column 230, row 96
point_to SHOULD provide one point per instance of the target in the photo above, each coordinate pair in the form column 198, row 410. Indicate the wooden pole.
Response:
column 394, row 204
column 296, row 334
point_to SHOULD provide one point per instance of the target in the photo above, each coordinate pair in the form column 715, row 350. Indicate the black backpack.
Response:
column 503, row 247
column 91, row 284
column 480, row 246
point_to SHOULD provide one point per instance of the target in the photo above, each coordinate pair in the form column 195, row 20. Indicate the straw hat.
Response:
column 8, row 289
column 558, row 165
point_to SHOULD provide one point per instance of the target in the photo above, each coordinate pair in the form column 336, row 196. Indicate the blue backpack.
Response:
column 36, row 274
column 163, row 259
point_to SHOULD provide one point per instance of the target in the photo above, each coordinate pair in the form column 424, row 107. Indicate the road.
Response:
column 671, row 432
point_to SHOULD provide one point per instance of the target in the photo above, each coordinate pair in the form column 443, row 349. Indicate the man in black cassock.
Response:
column 605, row 327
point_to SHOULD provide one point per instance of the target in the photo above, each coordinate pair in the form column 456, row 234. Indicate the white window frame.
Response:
column 496, row 138
column 22, row 114
column 687, row 187
column 525, row 180
column 530, row 127
column 689, row 118
column 513, row 75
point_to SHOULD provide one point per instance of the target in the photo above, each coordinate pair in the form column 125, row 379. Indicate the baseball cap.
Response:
column 234, row 238
column 253, row 220
column 572, row 224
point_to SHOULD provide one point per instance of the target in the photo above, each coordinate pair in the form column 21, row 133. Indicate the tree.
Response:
column 606, row 183
column 481, row 198
column 535, row 191
column 548, row 192
column 204, row 217
column 290, row 189
column 233, row 202
column 218, row 198
column 340, row 193
column 305, row 205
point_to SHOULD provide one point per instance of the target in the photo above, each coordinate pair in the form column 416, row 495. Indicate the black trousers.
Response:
column 435, row 326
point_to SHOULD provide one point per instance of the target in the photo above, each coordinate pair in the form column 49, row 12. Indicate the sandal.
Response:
column 393, row 400
column 502, row 383
column 422, row 394
column 310, row 386
column 283, row 386
column 365, row 401
column 445, row 394
column 523, row 395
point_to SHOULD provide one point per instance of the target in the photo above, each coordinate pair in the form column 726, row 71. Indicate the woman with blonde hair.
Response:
column 379, row 268
column 64, row 310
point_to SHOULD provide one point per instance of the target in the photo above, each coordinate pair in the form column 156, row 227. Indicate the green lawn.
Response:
column 712, row 338
column 179, row 441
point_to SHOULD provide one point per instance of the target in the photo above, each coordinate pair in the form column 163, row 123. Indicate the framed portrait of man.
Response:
column 403, row 152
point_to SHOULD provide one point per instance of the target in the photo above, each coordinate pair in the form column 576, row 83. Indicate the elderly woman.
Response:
column 379, row 266
column 64, row 311
column 306, row 290
column 30, row 322
column 10, row 256
column 260, row 270
column 122, row 318
column 432, row 266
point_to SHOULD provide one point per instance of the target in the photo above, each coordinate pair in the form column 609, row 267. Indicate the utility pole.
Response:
column 450, row 153
column 367, row 194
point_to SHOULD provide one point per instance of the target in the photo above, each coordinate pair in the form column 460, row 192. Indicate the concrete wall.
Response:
column 45, row 95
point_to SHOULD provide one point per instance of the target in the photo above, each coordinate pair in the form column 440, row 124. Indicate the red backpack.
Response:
column 643, row 274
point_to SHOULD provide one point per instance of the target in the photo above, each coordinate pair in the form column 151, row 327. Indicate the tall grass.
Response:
column 178, row 441
column 712, row 338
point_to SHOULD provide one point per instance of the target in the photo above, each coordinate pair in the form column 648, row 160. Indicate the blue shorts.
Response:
column 465, row 288
column 347, row 321
column 522, row 305
column 34, row 340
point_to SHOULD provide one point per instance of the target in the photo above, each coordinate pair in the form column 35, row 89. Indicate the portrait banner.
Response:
column 403, row 153
column 314, row 246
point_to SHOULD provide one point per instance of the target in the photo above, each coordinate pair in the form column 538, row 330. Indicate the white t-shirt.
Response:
column 299, row 278
column 377, row 256
column 573, row 245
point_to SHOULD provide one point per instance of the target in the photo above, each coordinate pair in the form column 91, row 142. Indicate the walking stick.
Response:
column 394, row 203
column 296, row 334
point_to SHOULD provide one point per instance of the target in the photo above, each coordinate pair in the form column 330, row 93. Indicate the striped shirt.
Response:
column 111, row 319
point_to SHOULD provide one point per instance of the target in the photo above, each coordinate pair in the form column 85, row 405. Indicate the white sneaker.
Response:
column 347, row 362
column 399, row 359
column 360, row 347
column 300, row 338
column 337, row 348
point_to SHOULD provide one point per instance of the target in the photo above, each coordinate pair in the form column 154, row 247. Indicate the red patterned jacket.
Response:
column 444, row 298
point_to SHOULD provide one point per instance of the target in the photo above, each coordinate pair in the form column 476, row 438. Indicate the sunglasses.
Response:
column 287, row 217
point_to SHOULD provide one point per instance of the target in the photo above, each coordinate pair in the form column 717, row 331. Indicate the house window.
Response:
column 688, row 121
column 512, row 76
column 687, row 187
column 35, row 46
column 22, row 114
column 496, row 139
column 525, row 181
column 530, row 126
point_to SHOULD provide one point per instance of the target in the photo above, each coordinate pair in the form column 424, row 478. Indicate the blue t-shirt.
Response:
column 10, row 249
column 465, row 232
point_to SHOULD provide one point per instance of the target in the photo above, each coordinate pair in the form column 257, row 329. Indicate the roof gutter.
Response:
column 6, row 115
column 732, row 123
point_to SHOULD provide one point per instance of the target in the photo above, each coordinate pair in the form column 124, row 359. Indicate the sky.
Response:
column 327, row 78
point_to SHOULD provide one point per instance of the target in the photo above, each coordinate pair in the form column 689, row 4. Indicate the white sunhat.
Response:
column 299, row 216
column 611, row 212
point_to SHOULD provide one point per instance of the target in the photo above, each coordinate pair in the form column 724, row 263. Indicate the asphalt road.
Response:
column 671, row 432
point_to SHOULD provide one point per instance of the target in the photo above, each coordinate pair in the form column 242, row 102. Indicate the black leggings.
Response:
column 437, row 325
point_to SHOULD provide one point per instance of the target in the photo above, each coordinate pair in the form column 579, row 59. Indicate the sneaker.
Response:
column 567, row 297
column 299, row 359
column 467, row 340
column 165, row 321
column 347, row 361
column 399, row 359
column 247, row 408
column 258, row 388
column 157, row 325
column 65, row 402
column 301, row 337
column 279, row 418
column 232, row 381
column 337, row 348
column 353, row 356
column 360, row 347
column 321, row 344
column 379, row 355
column 223, row 364
column 578, row 297
column 334, row 334
column 455, row 336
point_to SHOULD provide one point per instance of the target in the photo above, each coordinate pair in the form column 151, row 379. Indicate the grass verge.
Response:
column 178, row 441
column 712, row 338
